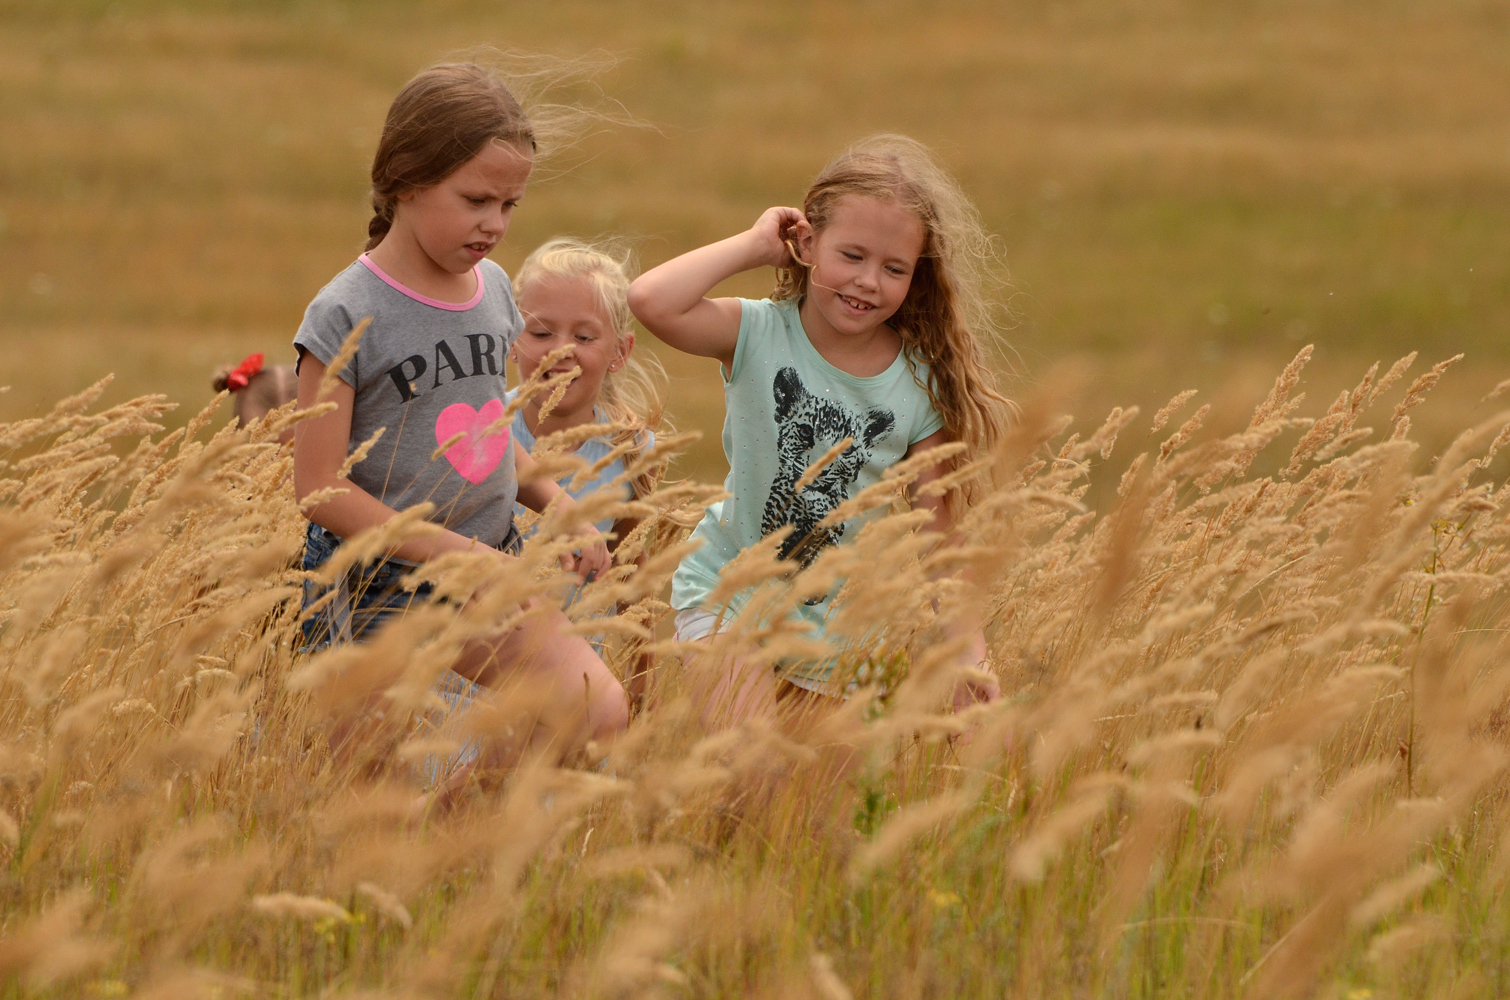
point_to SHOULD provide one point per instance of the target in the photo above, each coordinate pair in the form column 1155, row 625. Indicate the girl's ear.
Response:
column 803, row 233
column 626, row 344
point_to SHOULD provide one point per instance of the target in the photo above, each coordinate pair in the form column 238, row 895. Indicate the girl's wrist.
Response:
column 749, row 252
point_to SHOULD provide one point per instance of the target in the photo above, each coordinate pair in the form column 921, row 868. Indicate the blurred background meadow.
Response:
column 1186, row 193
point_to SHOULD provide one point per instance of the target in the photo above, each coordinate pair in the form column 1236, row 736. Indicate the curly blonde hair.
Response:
column 948, row 317
column 632, row 397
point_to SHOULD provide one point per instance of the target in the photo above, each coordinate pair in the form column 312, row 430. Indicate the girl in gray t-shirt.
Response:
column 452, row 163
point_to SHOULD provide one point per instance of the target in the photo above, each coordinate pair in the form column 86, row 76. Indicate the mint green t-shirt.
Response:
column 786, row 406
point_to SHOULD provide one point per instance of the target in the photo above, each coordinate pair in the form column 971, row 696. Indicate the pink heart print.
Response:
column 478, row 454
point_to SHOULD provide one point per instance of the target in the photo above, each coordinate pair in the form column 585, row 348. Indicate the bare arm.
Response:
column 671, row 300
column 320, row 449
column 537, row 493
column 934, row 504
column 621, row 529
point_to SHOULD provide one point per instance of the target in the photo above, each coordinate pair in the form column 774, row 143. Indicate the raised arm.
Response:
column 671, row 300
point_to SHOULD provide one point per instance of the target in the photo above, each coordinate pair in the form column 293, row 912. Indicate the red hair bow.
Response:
column 242, row 374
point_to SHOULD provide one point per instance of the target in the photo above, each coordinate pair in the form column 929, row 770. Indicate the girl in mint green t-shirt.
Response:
column 873, row 334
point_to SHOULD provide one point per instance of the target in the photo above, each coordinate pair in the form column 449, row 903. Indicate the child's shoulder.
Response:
column 356, row 283
column 517, row 426
column 361, row 286
column 768, row 308
column 766, row 328
column 768, row 315
column 494, row 276
column 497, row 288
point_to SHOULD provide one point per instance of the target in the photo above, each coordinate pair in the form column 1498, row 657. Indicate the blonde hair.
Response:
column 630, row 397
column 947, row 316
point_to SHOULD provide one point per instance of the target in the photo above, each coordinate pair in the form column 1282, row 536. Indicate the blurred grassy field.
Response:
column 1187, row 192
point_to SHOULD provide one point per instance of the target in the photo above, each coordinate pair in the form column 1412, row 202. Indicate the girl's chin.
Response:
column 848, row 321
column 571, row 406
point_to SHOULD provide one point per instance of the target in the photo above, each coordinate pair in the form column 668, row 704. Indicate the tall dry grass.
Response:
column 1251, row 741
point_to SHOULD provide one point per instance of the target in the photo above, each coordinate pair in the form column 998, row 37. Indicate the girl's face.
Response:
column 459, row 221
column 565, row 311
column 865, row 257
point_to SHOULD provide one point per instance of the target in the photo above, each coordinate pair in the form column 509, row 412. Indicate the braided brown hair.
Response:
column 440, row 120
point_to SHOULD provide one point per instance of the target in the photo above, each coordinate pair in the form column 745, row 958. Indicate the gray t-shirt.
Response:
column 432, row 374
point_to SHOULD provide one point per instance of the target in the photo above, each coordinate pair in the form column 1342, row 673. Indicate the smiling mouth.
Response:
column 856, row 304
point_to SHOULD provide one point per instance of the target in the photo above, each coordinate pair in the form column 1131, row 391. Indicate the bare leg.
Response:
column 543, row 649
column 582, row 700
column 801, row 711
column 738, row 691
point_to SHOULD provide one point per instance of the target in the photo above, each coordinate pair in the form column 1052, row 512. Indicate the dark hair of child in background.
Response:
column 257, row 389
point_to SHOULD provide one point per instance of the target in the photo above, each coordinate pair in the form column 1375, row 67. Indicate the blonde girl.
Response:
column 875, row 332
column 451, row 166
column 575, row 297
column 575, row 294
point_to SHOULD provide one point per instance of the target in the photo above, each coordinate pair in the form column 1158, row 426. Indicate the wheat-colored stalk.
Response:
column 1252, row 733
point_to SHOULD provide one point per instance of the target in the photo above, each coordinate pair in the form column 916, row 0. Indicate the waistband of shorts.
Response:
column 512, row 543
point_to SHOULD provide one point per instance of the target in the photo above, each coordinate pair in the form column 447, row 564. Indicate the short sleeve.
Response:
column 929, row 423
column 512, row 316
column 325, row 328
column 928, row 420
column 752, row 313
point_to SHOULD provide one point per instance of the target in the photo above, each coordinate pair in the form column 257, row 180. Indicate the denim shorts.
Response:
column 367, row 597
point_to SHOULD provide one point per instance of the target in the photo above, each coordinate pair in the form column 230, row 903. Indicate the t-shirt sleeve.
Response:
column 928, row 420
column 753, row 314
column 514, row 319
column 325, row 328
column 929, row 423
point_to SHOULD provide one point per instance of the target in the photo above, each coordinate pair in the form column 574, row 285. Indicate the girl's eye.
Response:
column 479, row 202
column 850, row 256
column 898, row 271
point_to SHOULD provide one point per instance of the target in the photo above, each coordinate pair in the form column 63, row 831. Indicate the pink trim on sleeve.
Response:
column 416, row 296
